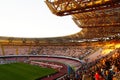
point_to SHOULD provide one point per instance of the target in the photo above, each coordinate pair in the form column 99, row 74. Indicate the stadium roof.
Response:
column 97, row 18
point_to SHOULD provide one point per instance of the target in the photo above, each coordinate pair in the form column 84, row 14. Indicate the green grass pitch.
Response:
column 22, row 71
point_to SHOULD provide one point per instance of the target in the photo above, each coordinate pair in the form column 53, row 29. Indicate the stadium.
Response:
column 91, row 54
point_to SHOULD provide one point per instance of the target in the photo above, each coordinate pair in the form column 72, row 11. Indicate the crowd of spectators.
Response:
column 71, row 51
column 106, row 68
column 79, row 51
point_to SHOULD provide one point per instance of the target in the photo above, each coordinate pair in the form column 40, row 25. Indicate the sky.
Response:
column 33, row 19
